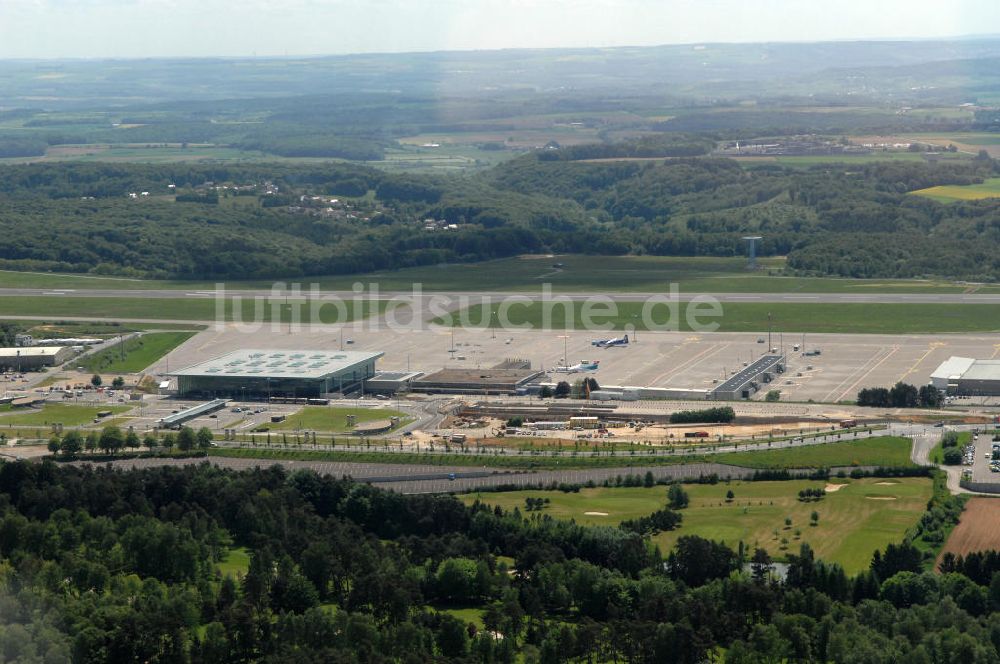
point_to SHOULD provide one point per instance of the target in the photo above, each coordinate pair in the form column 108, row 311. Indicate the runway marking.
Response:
column 874, row 367
column 930, row 349
column 829, row 396
column 703, row 355
column 996, row 350
column 660, row 356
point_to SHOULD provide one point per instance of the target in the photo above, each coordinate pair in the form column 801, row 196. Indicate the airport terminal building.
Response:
column 968, row 377
column 266, row 373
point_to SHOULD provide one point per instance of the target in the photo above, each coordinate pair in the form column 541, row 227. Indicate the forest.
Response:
column 100, row 565
column 827, row 219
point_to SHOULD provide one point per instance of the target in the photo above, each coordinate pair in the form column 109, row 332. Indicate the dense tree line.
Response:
column 719, row 415
column 9, row 332
column 648, row 146
column 827, row 220
column 102, row 565
column 901, row 395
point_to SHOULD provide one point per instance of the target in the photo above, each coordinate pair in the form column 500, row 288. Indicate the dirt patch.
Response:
column 833, row 488
column 75, row 150
column 885, row 483
column 977, row 530
column 595, row 513
column 881, row 498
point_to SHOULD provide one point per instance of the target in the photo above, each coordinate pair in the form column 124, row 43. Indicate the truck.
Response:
column 696, row 434
column 847, row 424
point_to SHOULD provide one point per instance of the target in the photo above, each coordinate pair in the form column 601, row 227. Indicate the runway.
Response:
column 798, row 298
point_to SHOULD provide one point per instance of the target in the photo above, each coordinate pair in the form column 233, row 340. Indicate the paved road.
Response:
column 924, row 440
column 449, row 479
column 875, row 298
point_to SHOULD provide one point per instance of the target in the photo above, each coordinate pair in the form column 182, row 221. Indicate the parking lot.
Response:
column 982, row 459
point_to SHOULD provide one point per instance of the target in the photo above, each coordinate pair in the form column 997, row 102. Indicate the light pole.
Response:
column 565, row 338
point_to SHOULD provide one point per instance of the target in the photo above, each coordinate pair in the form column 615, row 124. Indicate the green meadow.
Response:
column 885, row 451
column 970, row 192
column 333, row 420
column 139, row 353
column 529, row 273
column 181, row 309
column 856, row 520
column 70, row 415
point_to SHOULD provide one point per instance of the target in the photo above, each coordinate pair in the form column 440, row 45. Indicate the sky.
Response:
column 195, row 28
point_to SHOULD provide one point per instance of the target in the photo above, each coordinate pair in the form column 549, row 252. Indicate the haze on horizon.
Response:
column 200, row 28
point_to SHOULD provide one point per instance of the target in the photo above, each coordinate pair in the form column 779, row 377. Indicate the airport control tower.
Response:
column 752, row 241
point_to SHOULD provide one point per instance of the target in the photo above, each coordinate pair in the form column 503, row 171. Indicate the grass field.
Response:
column 496, row 460
column 467, row 615
column 69, row 415
column 140, row 352
column 448, row 157
column 183, row 309
column 856, row 520
column 895, row 454
column 971, row 137
column 936, row 454
column 235, row 563
column 41, row 329
column 333, row 420
column 526, row 273
column 950, row 193
column 56, row 280
column 154, row 153
column 887, row 451
column 815, row 160
column 843, row 318
column 407, row 155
